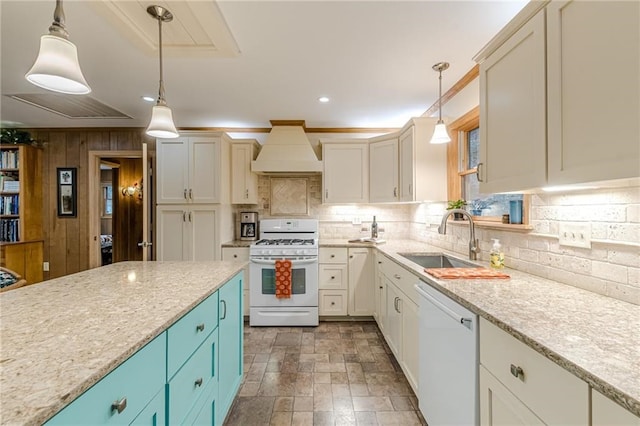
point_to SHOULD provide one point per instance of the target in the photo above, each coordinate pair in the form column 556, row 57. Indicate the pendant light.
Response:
column 161, row 125
column 56, row 67
column 440, row 134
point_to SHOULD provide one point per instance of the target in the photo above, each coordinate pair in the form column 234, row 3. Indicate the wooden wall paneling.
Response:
column 98, row 140
column 57, row 238
column 83, row 200
column 73, row 224
column 46, row 195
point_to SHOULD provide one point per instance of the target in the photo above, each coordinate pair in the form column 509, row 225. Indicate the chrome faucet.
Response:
column 473, row 243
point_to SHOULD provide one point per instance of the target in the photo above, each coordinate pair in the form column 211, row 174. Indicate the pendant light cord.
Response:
column 161, row 100
column 440, row 97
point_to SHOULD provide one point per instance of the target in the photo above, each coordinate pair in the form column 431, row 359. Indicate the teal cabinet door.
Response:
column 230, row 329
column 120, row 396
column 154, row 413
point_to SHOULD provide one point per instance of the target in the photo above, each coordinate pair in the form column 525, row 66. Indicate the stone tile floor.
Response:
column 339, row 373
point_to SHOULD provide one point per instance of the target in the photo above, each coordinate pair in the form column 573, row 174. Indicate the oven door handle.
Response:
column 293, row 262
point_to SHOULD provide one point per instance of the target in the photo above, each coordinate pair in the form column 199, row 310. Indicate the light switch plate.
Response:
column 575, row 234
column 45, row 266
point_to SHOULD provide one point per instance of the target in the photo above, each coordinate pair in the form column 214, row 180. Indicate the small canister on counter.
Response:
column 505, row 218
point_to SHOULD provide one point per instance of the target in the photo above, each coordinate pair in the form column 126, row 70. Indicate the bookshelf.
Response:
column 21, row 220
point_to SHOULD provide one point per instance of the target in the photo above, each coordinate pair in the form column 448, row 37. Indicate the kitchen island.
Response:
column 594, row 337
column 61, row 337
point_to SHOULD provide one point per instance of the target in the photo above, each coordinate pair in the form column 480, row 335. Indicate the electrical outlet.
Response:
column 356, row 221
column 575, row 234
column 45, row 266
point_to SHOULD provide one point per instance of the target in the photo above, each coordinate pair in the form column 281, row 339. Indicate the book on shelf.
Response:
column 10, row 230
column 11, row 185
column 10, row 159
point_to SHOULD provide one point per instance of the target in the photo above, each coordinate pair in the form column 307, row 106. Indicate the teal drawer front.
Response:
column 154, row 413
column 203, row 413
column 135, row 381
column 191, row 382
column 189, row 332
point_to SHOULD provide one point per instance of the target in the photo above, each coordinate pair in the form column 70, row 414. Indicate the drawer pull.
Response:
column 517, row 372
column 396, row 276
column 333, row 277
column 333, row 255
column 200, row 327
column 198, row 382
column 333, row 303
column 119, row 406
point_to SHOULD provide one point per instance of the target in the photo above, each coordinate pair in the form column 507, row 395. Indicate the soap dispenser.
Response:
column 496, row 254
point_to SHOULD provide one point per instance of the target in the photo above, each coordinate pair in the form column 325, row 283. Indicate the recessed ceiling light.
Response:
column 323, row 99
column 148, row 99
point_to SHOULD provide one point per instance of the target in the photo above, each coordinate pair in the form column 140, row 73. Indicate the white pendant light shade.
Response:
column 57, row 68
column 161, row 125
column 440, row 134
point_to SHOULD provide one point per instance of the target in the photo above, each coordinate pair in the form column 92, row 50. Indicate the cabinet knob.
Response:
column 379, row 262
column 119, row 406
column 381, row 287
column 200, row 327
column 190, row 194
column 517, row 372
column 326, row 194
column 198, row 382
column 396, row 276
column 333, row 255
column 395, row 191
column 185, row 194
column 333, row 303
column 235, row 256
column 351, row 257
column 333, row 278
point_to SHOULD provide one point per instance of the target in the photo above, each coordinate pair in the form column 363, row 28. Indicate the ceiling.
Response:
column 272, row 59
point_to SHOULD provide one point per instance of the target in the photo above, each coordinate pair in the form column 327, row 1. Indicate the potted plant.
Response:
column 456, row 204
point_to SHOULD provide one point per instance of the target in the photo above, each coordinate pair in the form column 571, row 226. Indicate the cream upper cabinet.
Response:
column 383, row 169
column 346, row 171
column 361, row 282
column 423, row 166
column 244, row 183
column 513, row 112
column 559, row 99
column 593, row 90
column 605, row 412
column 193, row 169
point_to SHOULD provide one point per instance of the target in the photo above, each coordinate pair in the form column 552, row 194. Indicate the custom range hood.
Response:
column 286, row 150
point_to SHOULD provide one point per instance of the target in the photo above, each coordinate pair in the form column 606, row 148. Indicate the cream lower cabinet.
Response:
column 401, row 317
column 244, row 183
column 380, row 312
column 333, row 281
column 346, row 171
column 361, row 282
column 240, row 254
column 187, row 232
column 520, row 386
column 605, row 412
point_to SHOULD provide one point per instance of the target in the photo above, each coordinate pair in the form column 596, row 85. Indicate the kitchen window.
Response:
column 463, row 180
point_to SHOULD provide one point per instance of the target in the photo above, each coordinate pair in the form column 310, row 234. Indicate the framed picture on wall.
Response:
column 67, row 192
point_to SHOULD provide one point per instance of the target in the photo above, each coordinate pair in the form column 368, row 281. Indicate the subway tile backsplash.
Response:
column 611, row 267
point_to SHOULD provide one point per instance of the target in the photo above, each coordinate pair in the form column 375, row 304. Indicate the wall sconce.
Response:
column 130, row 191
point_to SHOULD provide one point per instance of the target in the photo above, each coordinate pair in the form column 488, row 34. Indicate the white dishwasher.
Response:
column 448, row 371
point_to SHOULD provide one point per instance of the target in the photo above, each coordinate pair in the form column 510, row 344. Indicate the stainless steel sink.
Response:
column 436, row 260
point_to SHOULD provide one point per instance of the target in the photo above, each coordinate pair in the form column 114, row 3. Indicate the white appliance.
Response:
column 295, row 240
column 448, row 350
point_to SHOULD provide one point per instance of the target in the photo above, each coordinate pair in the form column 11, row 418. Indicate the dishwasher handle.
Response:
column 462, row 320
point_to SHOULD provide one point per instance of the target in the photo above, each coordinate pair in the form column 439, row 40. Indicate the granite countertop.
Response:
column 60, row 337
column 595, row 337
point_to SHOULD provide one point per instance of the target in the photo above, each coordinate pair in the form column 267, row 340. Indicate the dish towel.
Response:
column 465, row 273
column 283, row 279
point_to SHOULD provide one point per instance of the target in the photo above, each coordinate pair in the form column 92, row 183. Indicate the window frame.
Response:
column 456, row 165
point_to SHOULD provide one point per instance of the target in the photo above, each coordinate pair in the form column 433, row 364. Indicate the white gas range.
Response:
column 295, row 240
